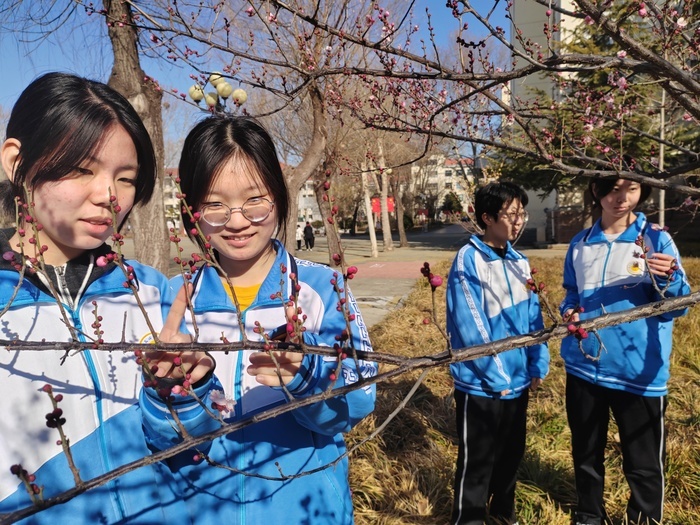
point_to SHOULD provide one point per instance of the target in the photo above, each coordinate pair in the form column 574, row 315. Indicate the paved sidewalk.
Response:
column 382, row 283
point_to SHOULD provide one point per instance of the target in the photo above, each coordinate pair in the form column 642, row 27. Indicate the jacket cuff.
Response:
column 303, row 381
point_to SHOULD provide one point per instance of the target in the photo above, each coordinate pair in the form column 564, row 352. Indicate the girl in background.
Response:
column 287, row 469
column 621, row 262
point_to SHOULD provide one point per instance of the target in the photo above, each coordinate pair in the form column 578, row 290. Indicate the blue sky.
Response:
column 82, row 51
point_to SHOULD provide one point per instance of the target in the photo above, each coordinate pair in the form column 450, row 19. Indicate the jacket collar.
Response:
column 210, row 293
column 596, row 235
column 74, row 274
column 479, row 244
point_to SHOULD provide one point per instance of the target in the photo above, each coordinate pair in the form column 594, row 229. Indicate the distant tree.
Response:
column 451, row 204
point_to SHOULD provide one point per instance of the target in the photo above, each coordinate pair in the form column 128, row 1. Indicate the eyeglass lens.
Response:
column 513, row 216
column 255, row 210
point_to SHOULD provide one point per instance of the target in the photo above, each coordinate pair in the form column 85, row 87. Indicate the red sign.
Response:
column 377, row 206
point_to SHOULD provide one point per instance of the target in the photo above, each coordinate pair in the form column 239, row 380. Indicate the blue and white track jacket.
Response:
column 290, row 444
column 488, row 299
column 100, row 395
column 606, row 277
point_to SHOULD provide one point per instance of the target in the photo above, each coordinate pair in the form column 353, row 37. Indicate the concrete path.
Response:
column 382, row 283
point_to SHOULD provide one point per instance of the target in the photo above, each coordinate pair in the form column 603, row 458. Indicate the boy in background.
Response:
column 488, row 299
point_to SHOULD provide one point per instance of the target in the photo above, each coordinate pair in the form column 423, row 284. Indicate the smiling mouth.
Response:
column 237, row 237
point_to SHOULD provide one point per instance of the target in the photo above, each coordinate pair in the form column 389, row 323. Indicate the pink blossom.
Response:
column 621, row 54
column 589, row 21
column 223, row 404
column 8, row 256
column 102, row 261
column 622, row 83
column 687, row 117
column 681, row 22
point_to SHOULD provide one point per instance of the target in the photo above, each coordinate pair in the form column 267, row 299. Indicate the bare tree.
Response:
column 148, row 221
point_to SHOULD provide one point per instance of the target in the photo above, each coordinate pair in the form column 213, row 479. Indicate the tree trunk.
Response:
column 353, row 224
column 332, row 235
column 147, row 220
column 313, row 156
column 386, row 223
column 398, row 206
column 368, row 211
column 384, row 203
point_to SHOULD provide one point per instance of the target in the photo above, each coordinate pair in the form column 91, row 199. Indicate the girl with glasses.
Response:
column 489, row 298
column 289, row 469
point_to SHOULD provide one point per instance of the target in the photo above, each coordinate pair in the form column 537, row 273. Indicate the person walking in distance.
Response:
column 309, row 236
column 299, row 236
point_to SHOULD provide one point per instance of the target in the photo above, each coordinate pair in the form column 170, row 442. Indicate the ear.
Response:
column 9, row 154
column 486, row 218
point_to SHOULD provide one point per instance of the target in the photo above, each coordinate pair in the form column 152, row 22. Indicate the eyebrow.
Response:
column 124, row 167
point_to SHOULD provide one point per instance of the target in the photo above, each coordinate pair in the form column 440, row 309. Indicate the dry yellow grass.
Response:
column 405, row 476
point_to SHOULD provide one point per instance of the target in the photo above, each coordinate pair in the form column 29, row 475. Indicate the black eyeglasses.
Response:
column 255, row 209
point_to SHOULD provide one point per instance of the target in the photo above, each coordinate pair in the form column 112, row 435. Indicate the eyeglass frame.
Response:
column 230, row 211
column 524, row 215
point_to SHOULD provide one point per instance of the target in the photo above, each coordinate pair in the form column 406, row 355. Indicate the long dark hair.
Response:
column 60, row 120
column 215, row 141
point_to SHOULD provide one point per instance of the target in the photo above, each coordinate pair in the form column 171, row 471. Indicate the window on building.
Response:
column 448, row 173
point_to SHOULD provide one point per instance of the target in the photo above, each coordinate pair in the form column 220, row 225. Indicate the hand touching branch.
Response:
column 277, row 368
column 176, row 365
column 661, row 264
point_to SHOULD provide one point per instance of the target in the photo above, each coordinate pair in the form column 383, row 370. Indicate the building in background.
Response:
column 307, row 204
column 434, row 177
column 554, row 217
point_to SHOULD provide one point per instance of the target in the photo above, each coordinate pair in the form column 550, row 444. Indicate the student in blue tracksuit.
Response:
column 488, row 299
column 620, row 263
column 288, row 469
column 75, row 144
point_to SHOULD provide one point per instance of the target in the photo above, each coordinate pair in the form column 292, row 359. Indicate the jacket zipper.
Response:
column 67, row 298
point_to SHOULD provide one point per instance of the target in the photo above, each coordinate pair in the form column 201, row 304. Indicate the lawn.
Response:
column 405, row 475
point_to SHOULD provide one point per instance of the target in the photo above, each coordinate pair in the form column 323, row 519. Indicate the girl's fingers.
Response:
column 171, row 328
column 282, row 358
column 267, row 371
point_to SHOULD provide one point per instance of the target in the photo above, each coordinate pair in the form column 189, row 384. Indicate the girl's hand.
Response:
column 268, row 367
column 263, row 367
column 570, row 316
column 535, row 383
column 175, row 365
column 660, row 264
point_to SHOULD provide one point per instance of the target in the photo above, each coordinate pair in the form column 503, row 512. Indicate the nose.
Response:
column 236, row 219
column 101, row 189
